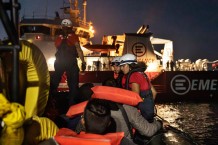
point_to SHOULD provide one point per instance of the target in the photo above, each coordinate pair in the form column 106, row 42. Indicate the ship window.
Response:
column 34, row 29
column 84, row 34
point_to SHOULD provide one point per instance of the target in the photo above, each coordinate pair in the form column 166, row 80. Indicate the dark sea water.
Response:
column 200, row 120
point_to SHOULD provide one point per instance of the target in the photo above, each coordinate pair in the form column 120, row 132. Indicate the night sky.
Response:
column 192, row 25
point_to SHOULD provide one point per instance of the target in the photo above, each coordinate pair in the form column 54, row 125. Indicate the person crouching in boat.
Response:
column 136, row 80
column 123, row 111
column 96, row 121
column 68, row 49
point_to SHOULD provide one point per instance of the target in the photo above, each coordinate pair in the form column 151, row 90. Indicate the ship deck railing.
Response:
column 37, row 17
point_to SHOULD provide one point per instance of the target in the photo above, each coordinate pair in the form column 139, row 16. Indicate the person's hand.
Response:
column 165, row 124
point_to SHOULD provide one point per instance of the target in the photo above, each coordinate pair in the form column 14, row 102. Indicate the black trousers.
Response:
column 72, row 72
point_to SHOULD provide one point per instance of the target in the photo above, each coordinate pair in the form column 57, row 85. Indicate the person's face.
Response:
column 66, row 30
column 116, row 69
column 125, row 68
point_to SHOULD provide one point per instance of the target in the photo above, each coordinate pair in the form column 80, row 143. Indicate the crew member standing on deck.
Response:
column 68, row 49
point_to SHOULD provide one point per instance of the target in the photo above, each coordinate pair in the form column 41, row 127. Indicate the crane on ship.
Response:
column 74, row 11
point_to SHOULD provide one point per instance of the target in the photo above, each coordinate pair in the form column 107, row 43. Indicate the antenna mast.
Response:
column 84, row 10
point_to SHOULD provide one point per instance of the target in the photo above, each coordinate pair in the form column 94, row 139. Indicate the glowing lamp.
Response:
column 37, row 37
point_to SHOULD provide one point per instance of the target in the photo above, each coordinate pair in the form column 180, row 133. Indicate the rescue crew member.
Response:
column 118, row 74
column 138, row 82
column 68, row 49
column 143, row 68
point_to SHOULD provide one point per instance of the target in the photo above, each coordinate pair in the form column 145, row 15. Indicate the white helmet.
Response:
column 128, row 59
column 66, row 23
column 116, row 61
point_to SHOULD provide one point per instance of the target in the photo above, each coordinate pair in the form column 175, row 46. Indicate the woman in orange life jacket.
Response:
column 136, row 80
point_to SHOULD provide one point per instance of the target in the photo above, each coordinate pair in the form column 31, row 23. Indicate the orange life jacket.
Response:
column 71, row 40
column 68, row 137
column 116, row 95
column 108, row 93
column 77, row 109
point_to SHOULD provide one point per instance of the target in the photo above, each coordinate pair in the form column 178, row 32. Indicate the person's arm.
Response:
column 154, row 92
column 133, row 82
column 136, row 88
column 81, row 56
column 58, row 41
column 73, row 39
column 80, row 52
column 140, row 123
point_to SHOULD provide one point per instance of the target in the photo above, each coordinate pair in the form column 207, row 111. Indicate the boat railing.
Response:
column 215, row 61
column 37, row 17
column 214, row 64
column 80, row 21
column 38, row 36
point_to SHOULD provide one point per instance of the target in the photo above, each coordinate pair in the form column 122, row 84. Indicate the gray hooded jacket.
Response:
column 136, row 120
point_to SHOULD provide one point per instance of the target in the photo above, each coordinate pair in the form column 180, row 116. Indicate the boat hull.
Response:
column 170, row 85
column 95, row 77
column 169, row 137
column 186, row 86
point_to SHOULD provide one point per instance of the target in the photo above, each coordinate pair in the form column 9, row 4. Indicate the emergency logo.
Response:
column 180, row 84
column 139, row 49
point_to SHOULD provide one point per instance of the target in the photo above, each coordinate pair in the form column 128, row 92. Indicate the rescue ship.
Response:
column 34, row 76
column 43, row 31
column 172, row 79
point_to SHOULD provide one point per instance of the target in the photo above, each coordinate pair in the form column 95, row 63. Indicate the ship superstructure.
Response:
column 43, row 31
column 170, row 77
